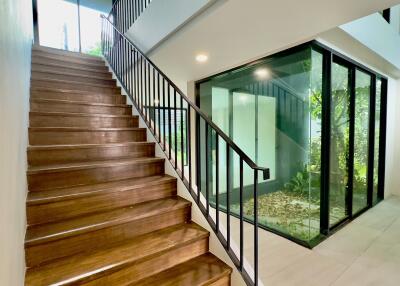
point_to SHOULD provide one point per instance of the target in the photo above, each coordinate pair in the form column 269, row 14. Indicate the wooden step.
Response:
column 55, row 105
column 63, row 119
column 137, row 259
column 79, row 135
column 45, row 57
column 71, row 85
column 51, row 241
column 76, row 95
column 67, row 64
column 85, row 173
column 50, row 206
column 58, row 52
column 60, row 154
column 205, row 269
column 78, row 70
column 72, row 77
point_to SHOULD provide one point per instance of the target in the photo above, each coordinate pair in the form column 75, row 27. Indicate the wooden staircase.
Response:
column 100, row 209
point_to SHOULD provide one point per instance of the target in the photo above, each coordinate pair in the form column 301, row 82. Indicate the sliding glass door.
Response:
column 361, row 140
column 339, row 147
column 354, row 141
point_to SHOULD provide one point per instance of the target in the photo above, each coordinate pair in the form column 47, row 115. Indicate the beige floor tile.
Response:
column 311, row 270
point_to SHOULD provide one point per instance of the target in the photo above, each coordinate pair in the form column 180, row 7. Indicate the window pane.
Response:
column 377, row 137
column 339, row 149
column 58, row 24
column 361, row 130
column 90, row 12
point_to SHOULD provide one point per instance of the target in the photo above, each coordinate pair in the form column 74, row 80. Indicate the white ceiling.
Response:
column 233, row 32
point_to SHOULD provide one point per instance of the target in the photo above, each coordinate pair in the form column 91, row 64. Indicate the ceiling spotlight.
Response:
column 201, row 58
column 261, row 73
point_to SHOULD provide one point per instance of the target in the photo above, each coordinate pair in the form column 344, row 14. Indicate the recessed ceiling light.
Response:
column 201, row 58
column 261, row 73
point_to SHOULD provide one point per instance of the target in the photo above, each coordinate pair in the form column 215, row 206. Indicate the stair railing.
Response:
column 217, row 166
column 125, row 12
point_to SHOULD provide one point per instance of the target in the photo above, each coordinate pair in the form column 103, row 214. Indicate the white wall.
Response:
column 161, row 18
column 15, row 57
column 378, row 35
column 392, row 178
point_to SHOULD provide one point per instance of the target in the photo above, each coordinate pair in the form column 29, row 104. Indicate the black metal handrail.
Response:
column 125, row 12
column 158, row 101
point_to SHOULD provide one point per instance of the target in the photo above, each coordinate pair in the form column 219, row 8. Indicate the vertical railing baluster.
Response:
column 241, row 212
column 198, row 158
column 159, row 110
column 216, row 182
column 148, row 94
column 207, row 169
column 164, row 110
column 189, row 151
column 154, row 102
column 182, row 146
column 134, row 95
column 228, row 187
column 175, row 130
column 169, row 121
column 255, row 227
column 141, row 85
column 145, row 88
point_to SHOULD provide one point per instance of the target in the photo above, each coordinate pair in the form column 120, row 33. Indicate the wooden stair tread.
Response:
column 51, row 80
column 38, row 234
column 70, row 60
column 66, row 114
column 201, row 270
column 72, row 74
column 45, row 100
column 80, row 68
column 75, row 129
column 80, row 267
column 85, row 146
column 65, row 53
column 91, row 164
column 42, row 197
column 62, row 90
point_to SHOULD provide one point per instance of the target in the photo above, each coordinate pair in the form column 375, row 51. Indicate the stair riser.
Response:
column 74, row 78
column 146, row 268
column 68, row 63
column 68, row 57
column 91, row 98
column 69, row 155
column 51, row 212
column 42, row 106
column 75, row 86
column 104, row 73
column 223, row 281
column 82, row 121
column 68, row 178
column 85, row 137
column 102, row 238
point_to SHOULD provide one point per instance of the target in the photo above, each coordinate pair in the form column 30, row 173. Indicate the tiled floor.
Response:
column 366, row 252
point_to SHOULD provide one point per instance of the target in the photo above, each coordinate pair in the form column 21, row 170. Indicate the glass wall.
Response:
column 273, row 110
